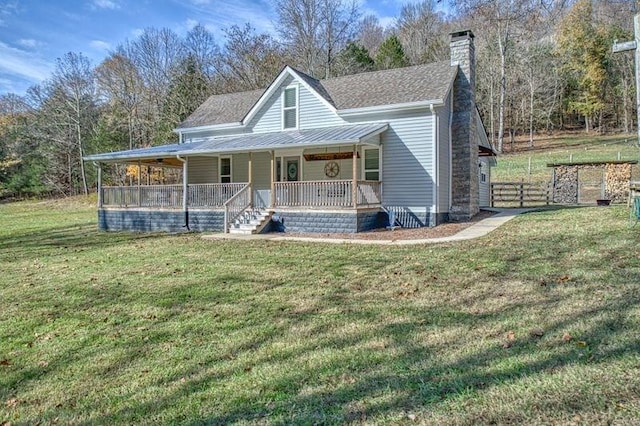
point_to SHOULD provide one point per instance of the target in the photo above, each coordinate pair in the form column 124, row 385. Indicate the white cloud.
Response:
column 100, row 45
column 137, row 32
column 105, row 4
column 223, row 15
column 190, row 23
column 28, row 43
column 22, row 65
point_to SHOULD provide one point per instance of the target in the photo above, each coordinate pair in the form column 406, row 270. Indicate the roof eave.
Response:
column 408, row 106
column 224, row 126
column 105, row 158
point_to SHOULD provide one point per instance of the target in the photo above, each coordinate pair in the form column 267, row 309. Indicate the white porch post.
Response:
column 251, row 179
column 99, row 185
column 139, row 184
column 354, row 189
column 272, row 197
column 185, row 185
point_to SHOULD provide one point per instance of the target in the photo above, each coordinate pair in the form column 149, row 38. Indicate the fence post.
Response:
column 521, row 194
column 491, row 202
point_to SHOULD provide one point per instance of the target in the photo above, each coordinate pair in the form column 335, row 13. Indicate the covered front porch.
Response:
column 219, row 187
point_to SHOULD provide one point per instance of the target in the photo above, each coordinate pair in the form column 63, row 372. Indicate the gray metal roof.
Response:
column 252, row 142
column 429, row 82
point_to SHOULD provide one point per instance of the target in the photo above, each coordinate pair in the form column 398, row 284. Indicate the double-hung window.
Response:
column 225, row 169
column 290, row 108
column 372, row 164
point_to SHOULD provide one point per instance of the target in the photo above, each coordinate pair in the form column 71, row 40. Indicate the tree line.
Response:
column 542, row 66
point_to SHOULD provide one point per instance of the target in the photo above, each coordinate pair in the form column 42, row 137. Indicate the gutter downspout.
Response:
column 185, row 194
column 436, row 165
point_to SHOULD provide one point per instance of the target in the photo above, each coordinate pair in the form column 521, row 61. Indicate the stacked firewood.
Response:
column 617, row 178
column 565, row 189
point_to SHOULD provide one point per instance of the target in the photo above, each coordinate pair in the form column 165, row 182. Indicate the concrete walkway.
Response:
column 476, row 230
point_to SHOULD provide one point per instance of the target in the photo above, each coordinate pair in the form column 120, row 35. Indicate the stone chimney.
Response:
column 464, row 139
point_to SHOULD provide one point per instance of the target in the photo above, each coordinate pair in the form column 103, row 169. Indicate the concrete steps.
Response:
column 251, row 222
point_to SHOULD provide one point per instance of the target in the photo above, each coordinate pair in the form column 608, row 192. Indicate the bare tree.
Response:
column 74, row 98
column 250, row 60
column 315, row 31
column 202, row 47
column 420, row 28
column 156, row 53
column 371, row 34
column 502, row 20
column 122, row 87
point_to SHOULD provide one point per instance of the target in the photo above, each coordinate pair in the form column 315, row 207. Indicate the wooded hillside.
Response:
column 543, row 66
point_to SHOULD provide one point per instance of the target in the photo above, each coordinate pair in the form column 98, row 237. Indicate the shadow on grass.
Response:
column 393, row 361
column 78, row 237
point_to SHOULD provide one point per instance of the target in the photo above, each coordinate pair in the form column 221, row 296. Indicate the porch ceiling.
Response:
column 312, row 138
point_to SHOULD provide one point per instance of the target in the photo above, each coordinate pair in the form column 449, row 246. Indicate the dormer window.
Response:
column 290, row 108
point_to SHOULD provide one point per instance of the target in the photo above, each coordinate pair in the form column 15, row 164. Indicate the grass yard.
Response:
column 515, row 166
column 539, row 322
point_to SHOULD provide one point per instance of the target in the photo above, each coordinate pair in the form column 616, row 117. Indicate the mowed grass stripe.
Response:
column 537, row 322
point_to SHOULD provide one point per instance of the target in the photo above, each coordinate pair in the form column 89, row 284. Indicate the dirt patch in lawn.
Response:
column 444, row 230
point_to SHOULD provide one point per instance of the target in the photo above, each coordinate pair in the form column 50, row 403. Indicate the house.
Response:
column 344, row 154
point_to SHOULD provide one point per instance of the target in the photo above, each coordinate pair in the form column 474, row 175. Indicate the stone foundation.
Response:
column 327, row 222
column 160, row 221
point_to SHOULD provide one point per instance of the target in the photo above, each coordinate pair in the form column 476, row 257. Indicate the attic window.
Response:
column 290, row 108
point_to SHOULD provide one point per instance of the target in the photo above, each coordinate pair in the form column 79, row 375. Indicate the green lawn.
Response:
column 539, row 322
column 515, row 167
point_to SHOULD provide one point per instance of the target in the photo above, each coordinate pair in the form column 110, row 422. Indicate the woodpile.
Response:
column 612, row 184
column 565, row 184
column 617, row 178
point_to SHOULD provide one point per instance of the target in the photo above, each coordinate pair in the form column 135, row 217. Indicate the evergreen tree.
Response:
column 583, row 45
column 355, row 58
column 391, row 54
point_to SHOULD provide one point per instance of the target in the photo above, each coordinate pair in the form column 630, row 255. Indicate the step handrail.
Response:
column 236, row 205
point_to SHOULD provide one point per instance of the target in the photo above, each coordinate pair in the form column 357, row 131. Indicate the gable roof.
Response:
column 429, row 82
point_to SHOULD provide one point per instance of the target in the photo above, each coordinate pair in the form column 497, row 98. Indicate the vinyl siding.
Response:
column 269, row 116
column 444, row 157
column 484, row 187
column 314, row 113
column 407, row 165
column 202, row 170
column 314, row 170
column 239, row 168
column 261, row 170
column 202, row 136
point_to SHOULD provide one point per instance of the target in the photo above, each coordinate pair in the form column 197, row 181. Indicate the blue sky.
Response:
column 33, row 33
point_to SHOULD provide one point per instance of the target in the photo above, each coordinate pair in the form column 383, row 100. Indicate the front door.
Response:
column 291, row 173
column 292, row 169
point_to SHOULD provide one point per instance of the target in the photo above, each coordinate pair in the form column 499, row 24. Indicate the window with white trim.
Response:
column 371, row 164
column 290, row 108
column 225, row 169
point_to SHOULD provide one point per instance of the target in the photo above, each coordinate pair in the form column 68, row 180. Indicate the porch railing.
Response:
column 212, row 194
column 167, row 196
column 318, row 194
column 236, row 205
column 369, row 192
column 333, row 193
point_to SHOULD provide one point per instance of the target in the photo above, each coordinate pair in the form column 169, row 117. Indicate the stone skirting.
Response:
column 160, row 221
column 348, row 221
column 327, row 221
